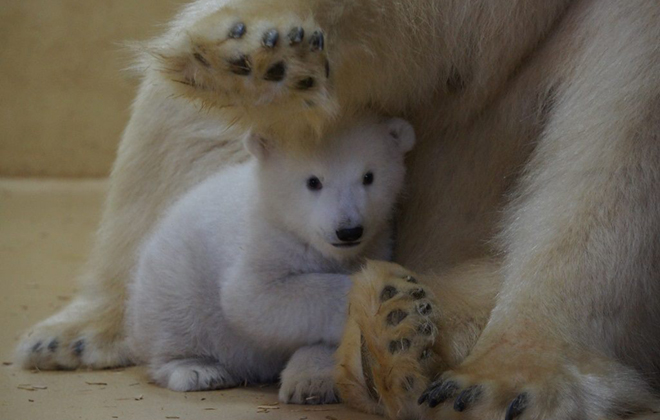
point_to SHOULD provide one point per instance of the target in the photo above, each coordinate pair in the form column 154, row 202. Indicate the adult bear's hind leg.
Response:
column 573, row 333
column 404, row 327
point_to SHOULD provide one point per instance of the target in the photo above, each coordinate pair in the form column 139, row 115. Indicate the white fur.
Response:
column 537, row 123
column 242, row 271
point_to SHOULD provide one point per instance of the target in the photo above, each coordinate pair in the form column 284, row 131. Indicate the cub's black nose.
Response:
column 350, row 235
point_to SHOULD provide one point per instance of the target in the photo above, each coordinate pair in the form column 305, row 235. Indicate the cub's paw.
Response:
column 265, row 64
column 195, row 374
column 506, row 383
column 308, row 377
column 76, row 337
column 317, row 389
column 387, row 353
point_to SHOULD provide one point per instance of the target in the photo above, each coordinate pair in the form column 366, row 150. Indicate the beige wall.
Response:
column 64, row 98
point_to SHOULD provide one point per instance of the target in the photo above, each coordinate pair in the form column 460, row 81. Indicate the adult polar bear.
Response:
column 534, row 189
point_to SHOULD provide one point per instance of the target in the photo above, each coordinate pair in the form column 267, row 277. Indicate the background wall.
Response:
column 64, row 97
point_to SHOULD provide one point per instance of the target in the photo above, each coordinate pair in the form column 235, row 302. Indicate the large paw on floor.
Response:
column 76, row 337
column 241, row 57
column 507, row 383
column 386, row 354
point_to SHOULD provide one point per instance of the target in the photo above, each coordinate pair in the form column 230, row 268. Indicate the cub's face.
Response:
column 337, row 198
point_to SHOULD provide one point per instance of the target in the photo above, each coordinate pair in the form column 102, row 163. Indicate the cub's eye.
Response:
column 314, row 184
column 368, row 178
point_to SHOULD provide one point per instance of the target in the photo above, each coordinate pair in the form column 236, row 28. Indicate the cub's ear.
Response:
column 402, row 133
column 257, row 146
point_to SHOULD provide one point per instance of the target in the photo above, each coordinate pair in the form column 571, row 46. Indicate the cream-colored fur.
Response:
column 246, row 276
column 533, row 206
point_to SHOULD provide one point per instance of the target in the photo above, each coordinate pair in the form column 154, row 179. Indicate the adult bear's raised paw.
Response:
column 266, row 63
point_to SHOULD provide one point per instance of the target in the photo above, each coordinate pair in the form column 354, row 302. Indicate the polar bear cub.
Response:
column 246, row 276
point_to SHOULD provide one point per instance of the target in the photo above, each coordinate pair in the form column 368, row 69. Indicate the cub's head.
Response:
column 340, row 196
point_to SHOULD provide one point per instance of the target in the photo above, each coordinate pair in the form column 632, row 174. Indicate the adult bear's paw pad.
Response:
column 251, row 58
column 387, row 354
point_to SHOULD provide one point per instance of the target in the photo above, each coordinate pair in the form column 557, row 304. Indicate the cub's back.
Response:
column 211, row 219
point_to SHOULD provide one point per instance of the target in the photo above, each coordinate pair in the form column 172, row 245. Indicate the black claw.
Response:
column 316, row 41
column 270, row 38
column 53, row 345
column 425, row 396
column 388, row 293
column 296, row 35
column 276, row 72
column 418, row 293
column 399, row 345
column 516, row 407
column 79, row 347
column 240, row 66
column 201, row 59
column 410, row 279
column 237, row 31
column 37, row 347
column 327, row 68
column 424, row 308
column 467, row 397
column 438, row 392
column 442, row 393
column 305, row 84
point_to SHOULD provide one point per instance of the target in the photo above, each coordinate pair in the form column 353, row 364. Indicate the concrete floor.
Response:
column 46, row 230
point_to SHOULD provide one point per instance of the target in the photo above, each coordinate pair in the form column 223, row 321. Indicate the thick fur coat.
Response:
column 532, row 217
column 252, row 265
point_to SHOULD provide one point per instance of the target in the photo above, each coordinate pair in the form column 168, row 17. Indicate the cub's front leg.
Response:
column 303, row 315
column 287, row 312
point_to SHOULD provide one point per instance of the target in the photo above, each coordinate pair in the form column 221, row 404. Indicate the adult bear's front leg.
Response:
column 191, row 145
